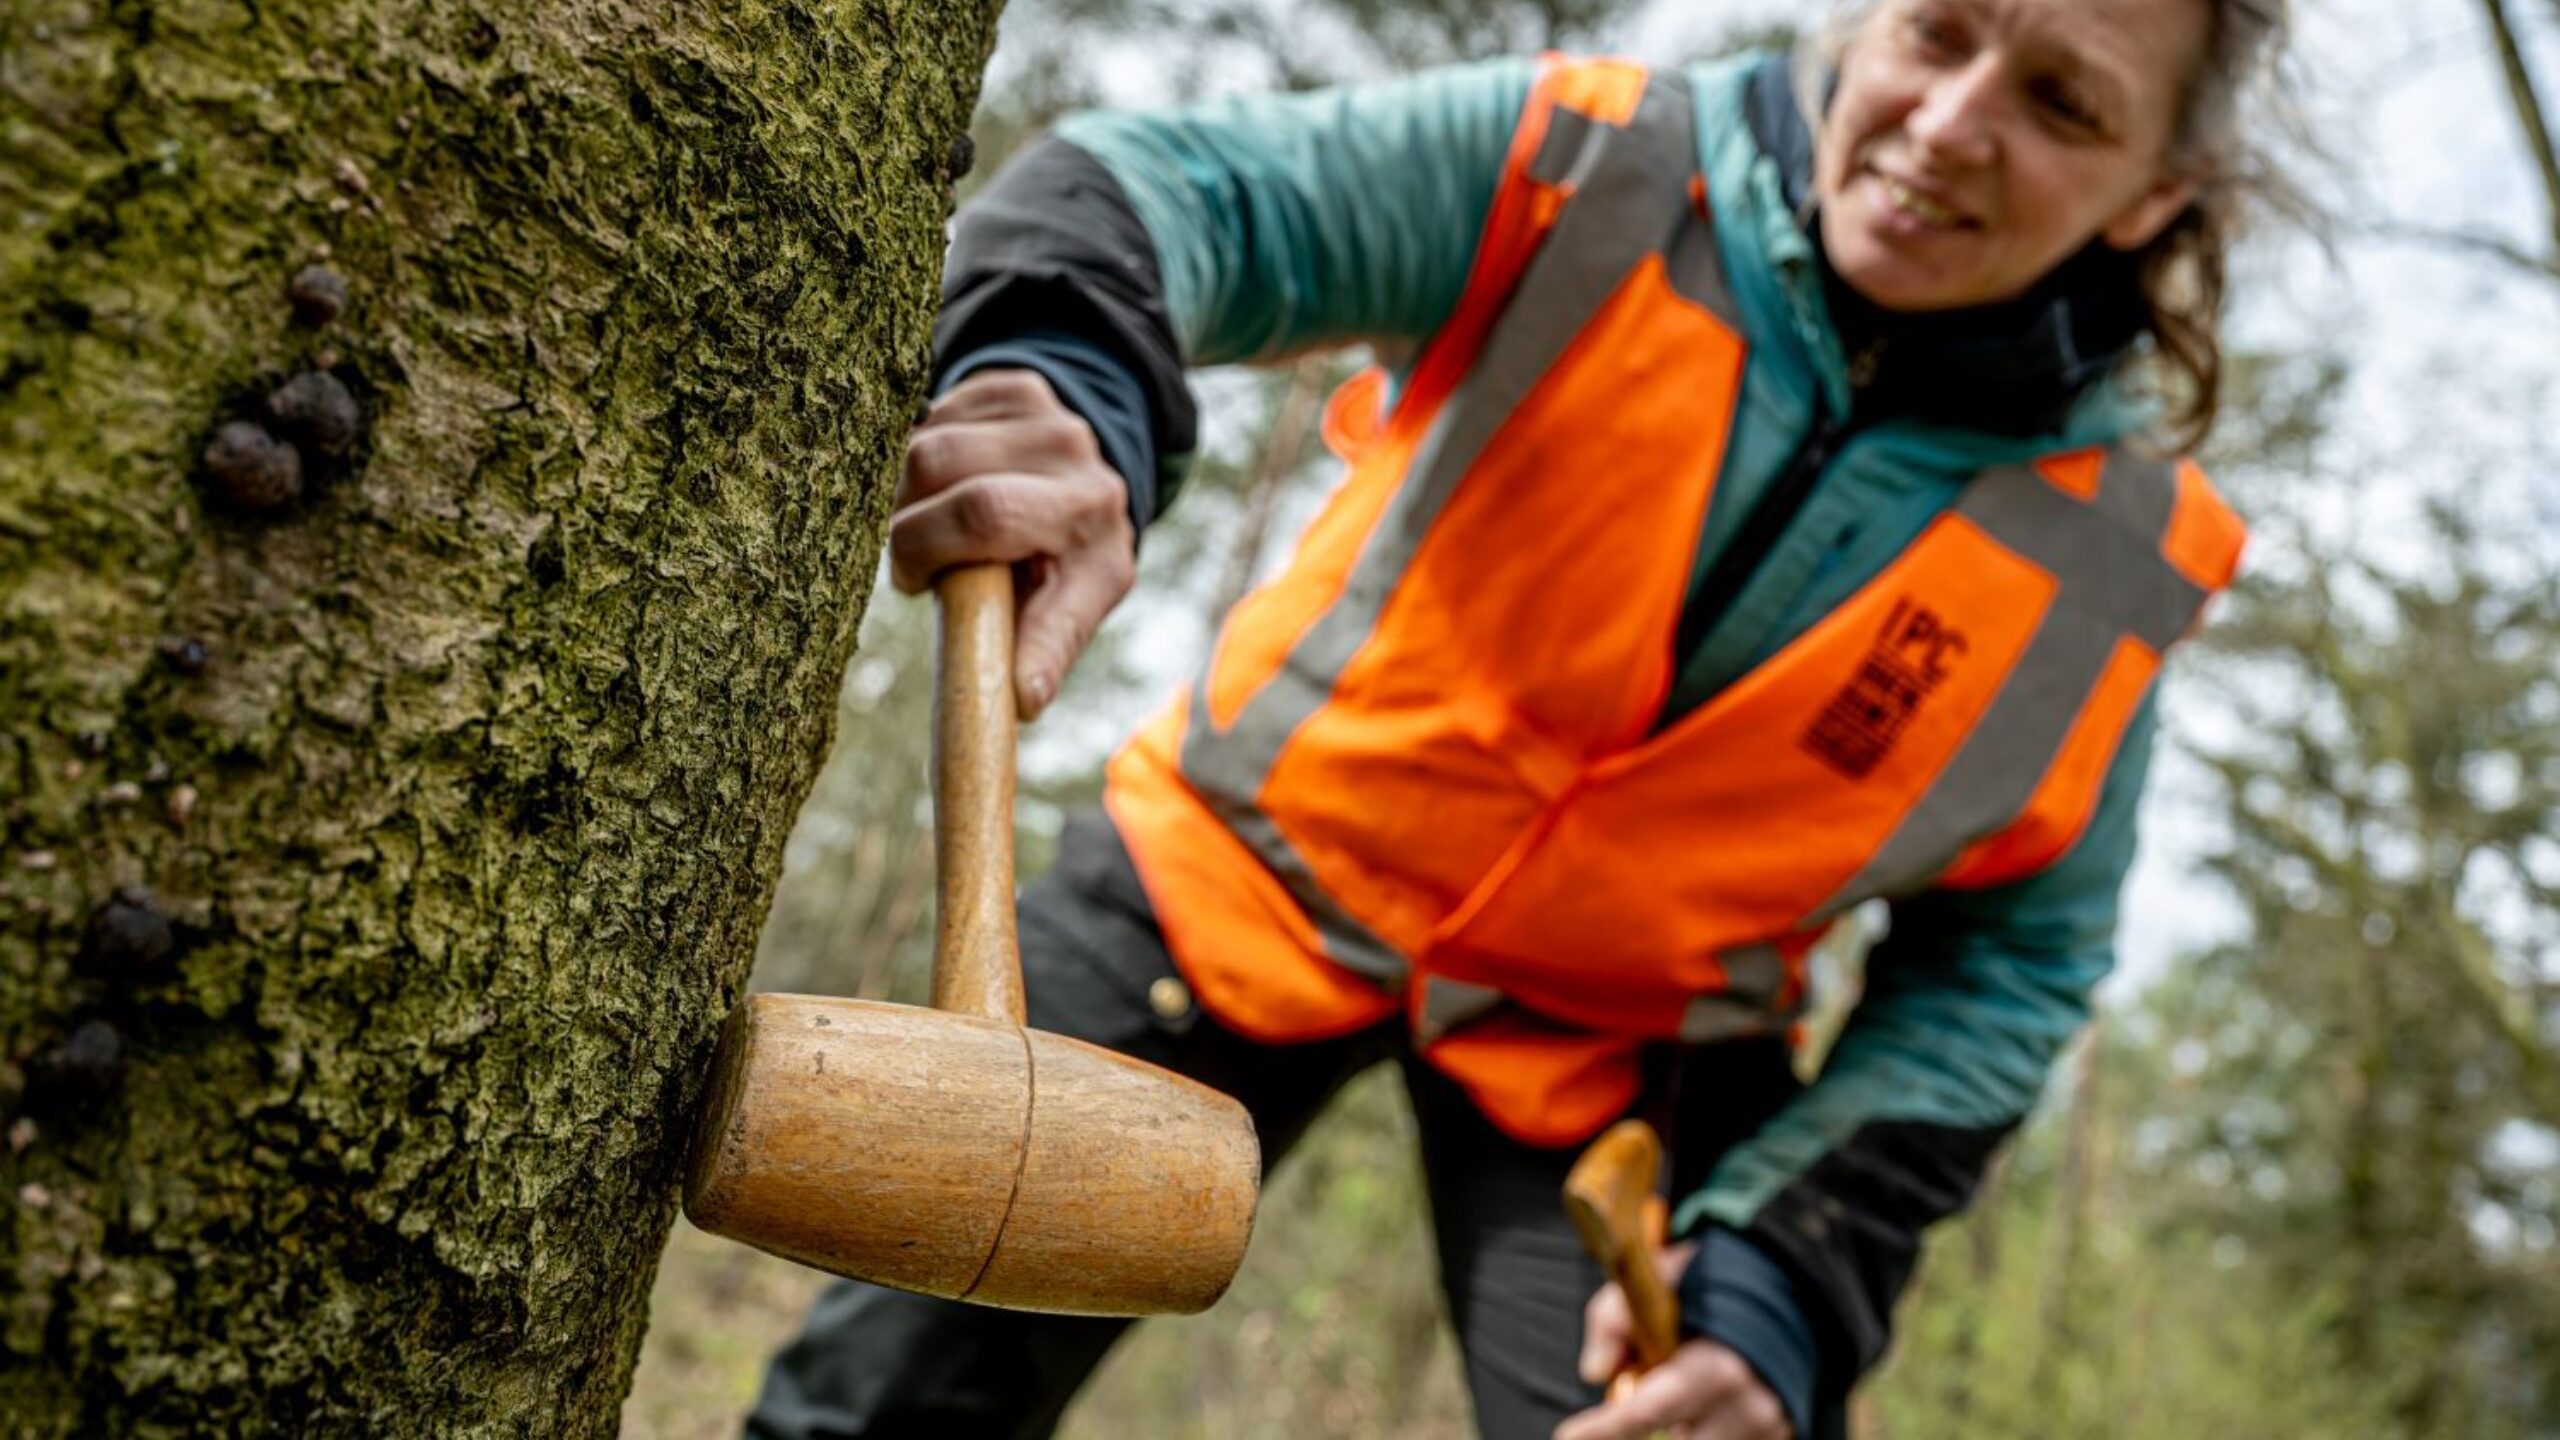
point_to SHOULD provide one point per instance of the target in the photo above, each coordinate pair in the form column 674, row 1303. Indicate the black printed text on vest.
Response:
column 1910, row 657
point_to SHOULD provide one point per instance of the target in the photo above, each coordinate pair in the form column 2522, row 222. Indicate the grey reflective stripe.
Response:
column 1629, row 199
column 1710, row 1018
column 1755, row 976
column 1754, row 972
column 2134, row 584
column 1347, row 942
column 1566, row 145
column 1228, row 778
column 1697, row 271
column 1600, row 234
column 1448, row 1004
column 2113, row 582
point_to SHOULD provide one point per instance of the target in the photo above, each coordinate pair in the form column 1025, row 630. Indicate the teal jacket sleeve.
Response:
column 1969, row 1000
column 1282, row 223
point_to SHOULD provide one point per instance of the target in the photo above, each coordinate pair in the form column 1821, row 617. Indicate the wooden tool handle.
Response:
column 976, row 968
column 1610, row 1196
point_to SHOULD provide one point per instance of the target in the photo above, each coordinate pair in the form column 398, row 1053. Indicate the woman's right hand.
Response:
column 1002, row 470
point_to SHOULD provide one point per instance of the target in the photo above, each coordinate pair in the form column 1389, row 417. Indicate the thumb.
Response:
column 1062, row 605
column 1606, row 1322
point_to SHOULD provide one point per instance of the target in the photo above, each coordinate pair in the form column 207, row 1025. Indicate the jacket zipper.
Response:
column 1769, row 517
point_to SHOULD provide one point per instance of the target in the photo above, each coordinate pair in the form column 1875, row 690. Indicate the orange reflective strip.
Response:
column 1797, row 951
column 1540, row 1084
column 1355, row 412
column 1635, row 410
column 2067, row 796
column 1477, row 698
column 1265, row 626
column 1644, row 1006
column 1817, row 756
column 1521, row 212
column 1249, row 953
column 1604, row 89
column 2075, row 472
column 2205, row 537
column 1262, row 630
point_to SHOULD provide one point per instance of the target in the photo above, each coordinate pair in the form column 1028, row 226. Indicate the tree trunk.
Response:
column 379, row 863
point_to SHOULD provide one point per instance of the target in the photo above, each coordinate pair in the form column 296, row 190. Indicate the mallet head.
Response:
column 972, row 1159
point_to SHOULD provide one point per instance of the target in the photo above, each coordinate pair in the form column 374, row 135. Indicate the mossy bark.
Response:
column 465, row 824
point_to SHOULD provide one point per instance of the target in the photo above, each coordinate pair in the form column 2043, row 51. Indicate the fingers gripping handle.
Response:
column 976, row 968
column 1610, row 1196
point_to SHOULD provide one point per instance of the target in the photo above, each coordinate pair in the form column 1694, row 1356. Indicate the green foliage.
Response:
column 2388, row 1022
column 2078, row 1300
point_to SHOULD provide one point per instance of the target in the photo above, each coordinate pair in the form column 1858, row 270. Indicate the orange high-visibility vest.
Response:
column 1422, row 771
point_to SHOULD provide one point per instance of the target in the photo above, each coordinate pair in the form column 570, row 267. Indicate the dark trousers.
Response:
column 883, row 1363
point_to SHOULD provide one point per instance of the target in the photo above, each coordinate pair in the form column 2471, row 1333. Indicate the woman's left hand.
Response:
column 1703, row 1392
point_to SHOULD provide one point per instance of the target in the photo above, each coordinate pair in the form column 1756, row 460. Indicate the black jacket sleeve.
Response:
column 1737, row 1296
column 1095, row 386
column 1053, row 245
column 1849, row 1232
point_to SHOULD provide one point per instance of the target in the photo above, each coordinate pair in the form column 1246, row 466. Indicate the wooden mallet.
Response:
column 1611, row 1198
column 952, row 1151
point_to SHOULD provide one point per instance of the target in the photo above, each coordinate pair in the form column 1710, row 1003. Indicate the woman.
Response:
column 1755, row 522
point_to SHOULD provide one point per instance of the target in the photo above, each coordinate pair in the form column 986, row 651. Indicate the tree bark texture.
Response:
column 379, row 866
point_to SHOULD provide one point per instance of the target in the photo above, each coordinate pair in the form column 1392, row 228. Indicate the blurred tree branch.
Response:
column 2542, row 143
column 2530, row 115
column 2491, row 247
column 2418, row 695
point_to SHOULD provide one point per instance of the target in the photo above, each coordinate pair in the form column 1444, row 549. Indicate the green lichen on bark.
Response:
column 503, row 722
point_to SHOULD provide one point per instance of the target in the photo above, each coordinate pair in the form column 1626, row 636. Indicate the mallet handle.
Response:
column 976, row 968
column 1610, row 1197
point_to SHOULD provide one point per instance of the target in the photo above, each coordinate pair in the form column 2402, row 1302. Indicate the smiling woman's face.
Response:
column 1974, row 145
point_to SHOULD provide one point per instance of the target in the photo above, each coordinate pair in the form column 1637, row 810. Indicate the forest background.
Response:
column 2302, row 1178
